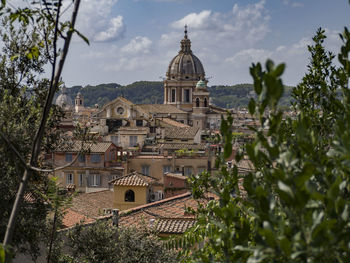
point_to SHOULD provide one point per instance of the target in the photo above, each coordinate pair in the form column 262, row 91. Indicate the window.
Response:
column 145, row 169
column 166, row 169
column 95, row 158
column 95, row 180
column 139, row 123
column 188, row 171
column 187, row 95
column 81, row 158
column 129, row 196
column 152, row 129
column 205, row 102
column 69, row 157
column 69, row 178
column 197, row 102
column 114, row 139
column 173, row 95
column 133, row 141
column 80, row 102
column 112, row 155
column 81, row 179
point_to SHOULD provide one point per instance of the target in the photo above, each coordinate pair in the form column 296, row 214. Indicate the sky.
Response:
column 132, row 40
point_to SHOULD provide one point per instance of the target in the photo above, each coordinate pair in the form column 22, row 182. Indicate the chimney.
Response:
column 115, row 217
column 151, row 222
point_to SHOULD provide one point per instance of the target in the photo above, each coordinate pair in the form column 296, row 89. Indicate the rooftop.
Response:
column 135, row 179
column 180, row 133
column 77, row 146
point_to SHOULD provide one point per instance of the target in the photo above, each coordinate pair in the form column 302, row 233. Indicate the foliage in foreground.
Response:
column 102, row 242
column 294, row 206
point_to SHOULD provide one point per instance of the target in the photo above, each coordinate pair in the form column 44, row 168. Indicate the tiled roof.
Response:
column 173, row 225
column 173, row 207
column 173, row 122
column 180, row 133
column 177, row 146
column 135, row 179
column 76, row 146
column 160, row 108
column 92, row 204
column 176, row 175
column 169, row 213
column 72, row 218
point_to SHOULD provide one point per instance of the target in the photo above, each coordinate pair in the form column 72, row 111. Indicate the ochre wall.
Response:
column 119, row 195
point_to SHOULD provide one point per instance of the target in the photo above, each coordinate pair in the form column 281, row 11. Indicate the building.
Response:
column 186, row 104
column 91, row 171
column 136, row 189
column 167, row 216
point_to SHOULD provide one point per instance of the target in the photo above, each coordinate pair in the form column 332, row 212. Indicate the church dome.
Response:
column 185, row 66
column 63, row 100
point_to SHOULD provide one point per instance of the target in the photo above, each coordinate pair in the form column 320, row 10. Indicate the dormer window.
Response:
column 129, row 196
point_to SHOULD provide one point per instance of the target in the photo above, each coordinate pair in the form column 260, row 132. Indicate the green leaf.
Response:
column 2, row 254
column 251, row 106
column 82, row 36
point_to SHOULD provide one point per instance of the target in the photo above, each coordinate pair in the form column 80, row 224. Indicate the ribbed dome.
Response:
column 63, row 100
column 185, row 65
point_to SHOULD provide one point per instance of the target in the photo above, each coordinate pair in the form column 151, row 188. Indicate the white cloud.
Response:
column 138, row 45
column 197, row 21
column 293, row 3
column 116, row 30
column 98, row 23
column 241, row 26
column 248, row 56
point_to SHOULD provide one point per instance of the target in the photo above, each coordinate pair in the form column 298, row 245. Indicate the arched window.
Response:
column 197, row 102
column 129, row 196
column 173, row 95
column 205, row 102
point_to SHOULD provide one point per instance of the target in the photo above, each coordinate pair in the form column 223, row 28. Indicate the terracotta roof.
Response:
column 173, row 225
column 177, row 146
column 76, row 146
column 176, row 175
column 72, row 218
column 170, row 213
column 173, row 122
column 180, row 133
column 135, row 179
column 160, row 108
column 92, row 204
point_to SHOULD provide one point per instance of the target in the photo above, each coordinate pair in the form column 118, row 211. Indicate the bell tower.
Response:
column 79, row 102
column 200, row 104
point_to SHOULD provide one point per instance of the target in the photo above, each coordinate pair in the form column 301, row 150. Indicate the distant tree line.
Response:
column 151, row 92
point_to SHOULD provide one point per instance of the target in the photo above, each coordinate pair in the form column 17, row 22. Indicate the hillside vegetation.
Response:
column 151, row 92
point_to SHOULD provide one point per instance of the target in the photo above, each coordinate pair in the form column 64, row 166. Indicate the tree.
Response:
column 103, row 242
column 294, row 206
column 27, row 116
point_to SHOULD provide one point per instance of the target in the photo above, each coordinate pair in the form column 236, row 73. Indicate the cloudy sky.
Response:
column 133, row 40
